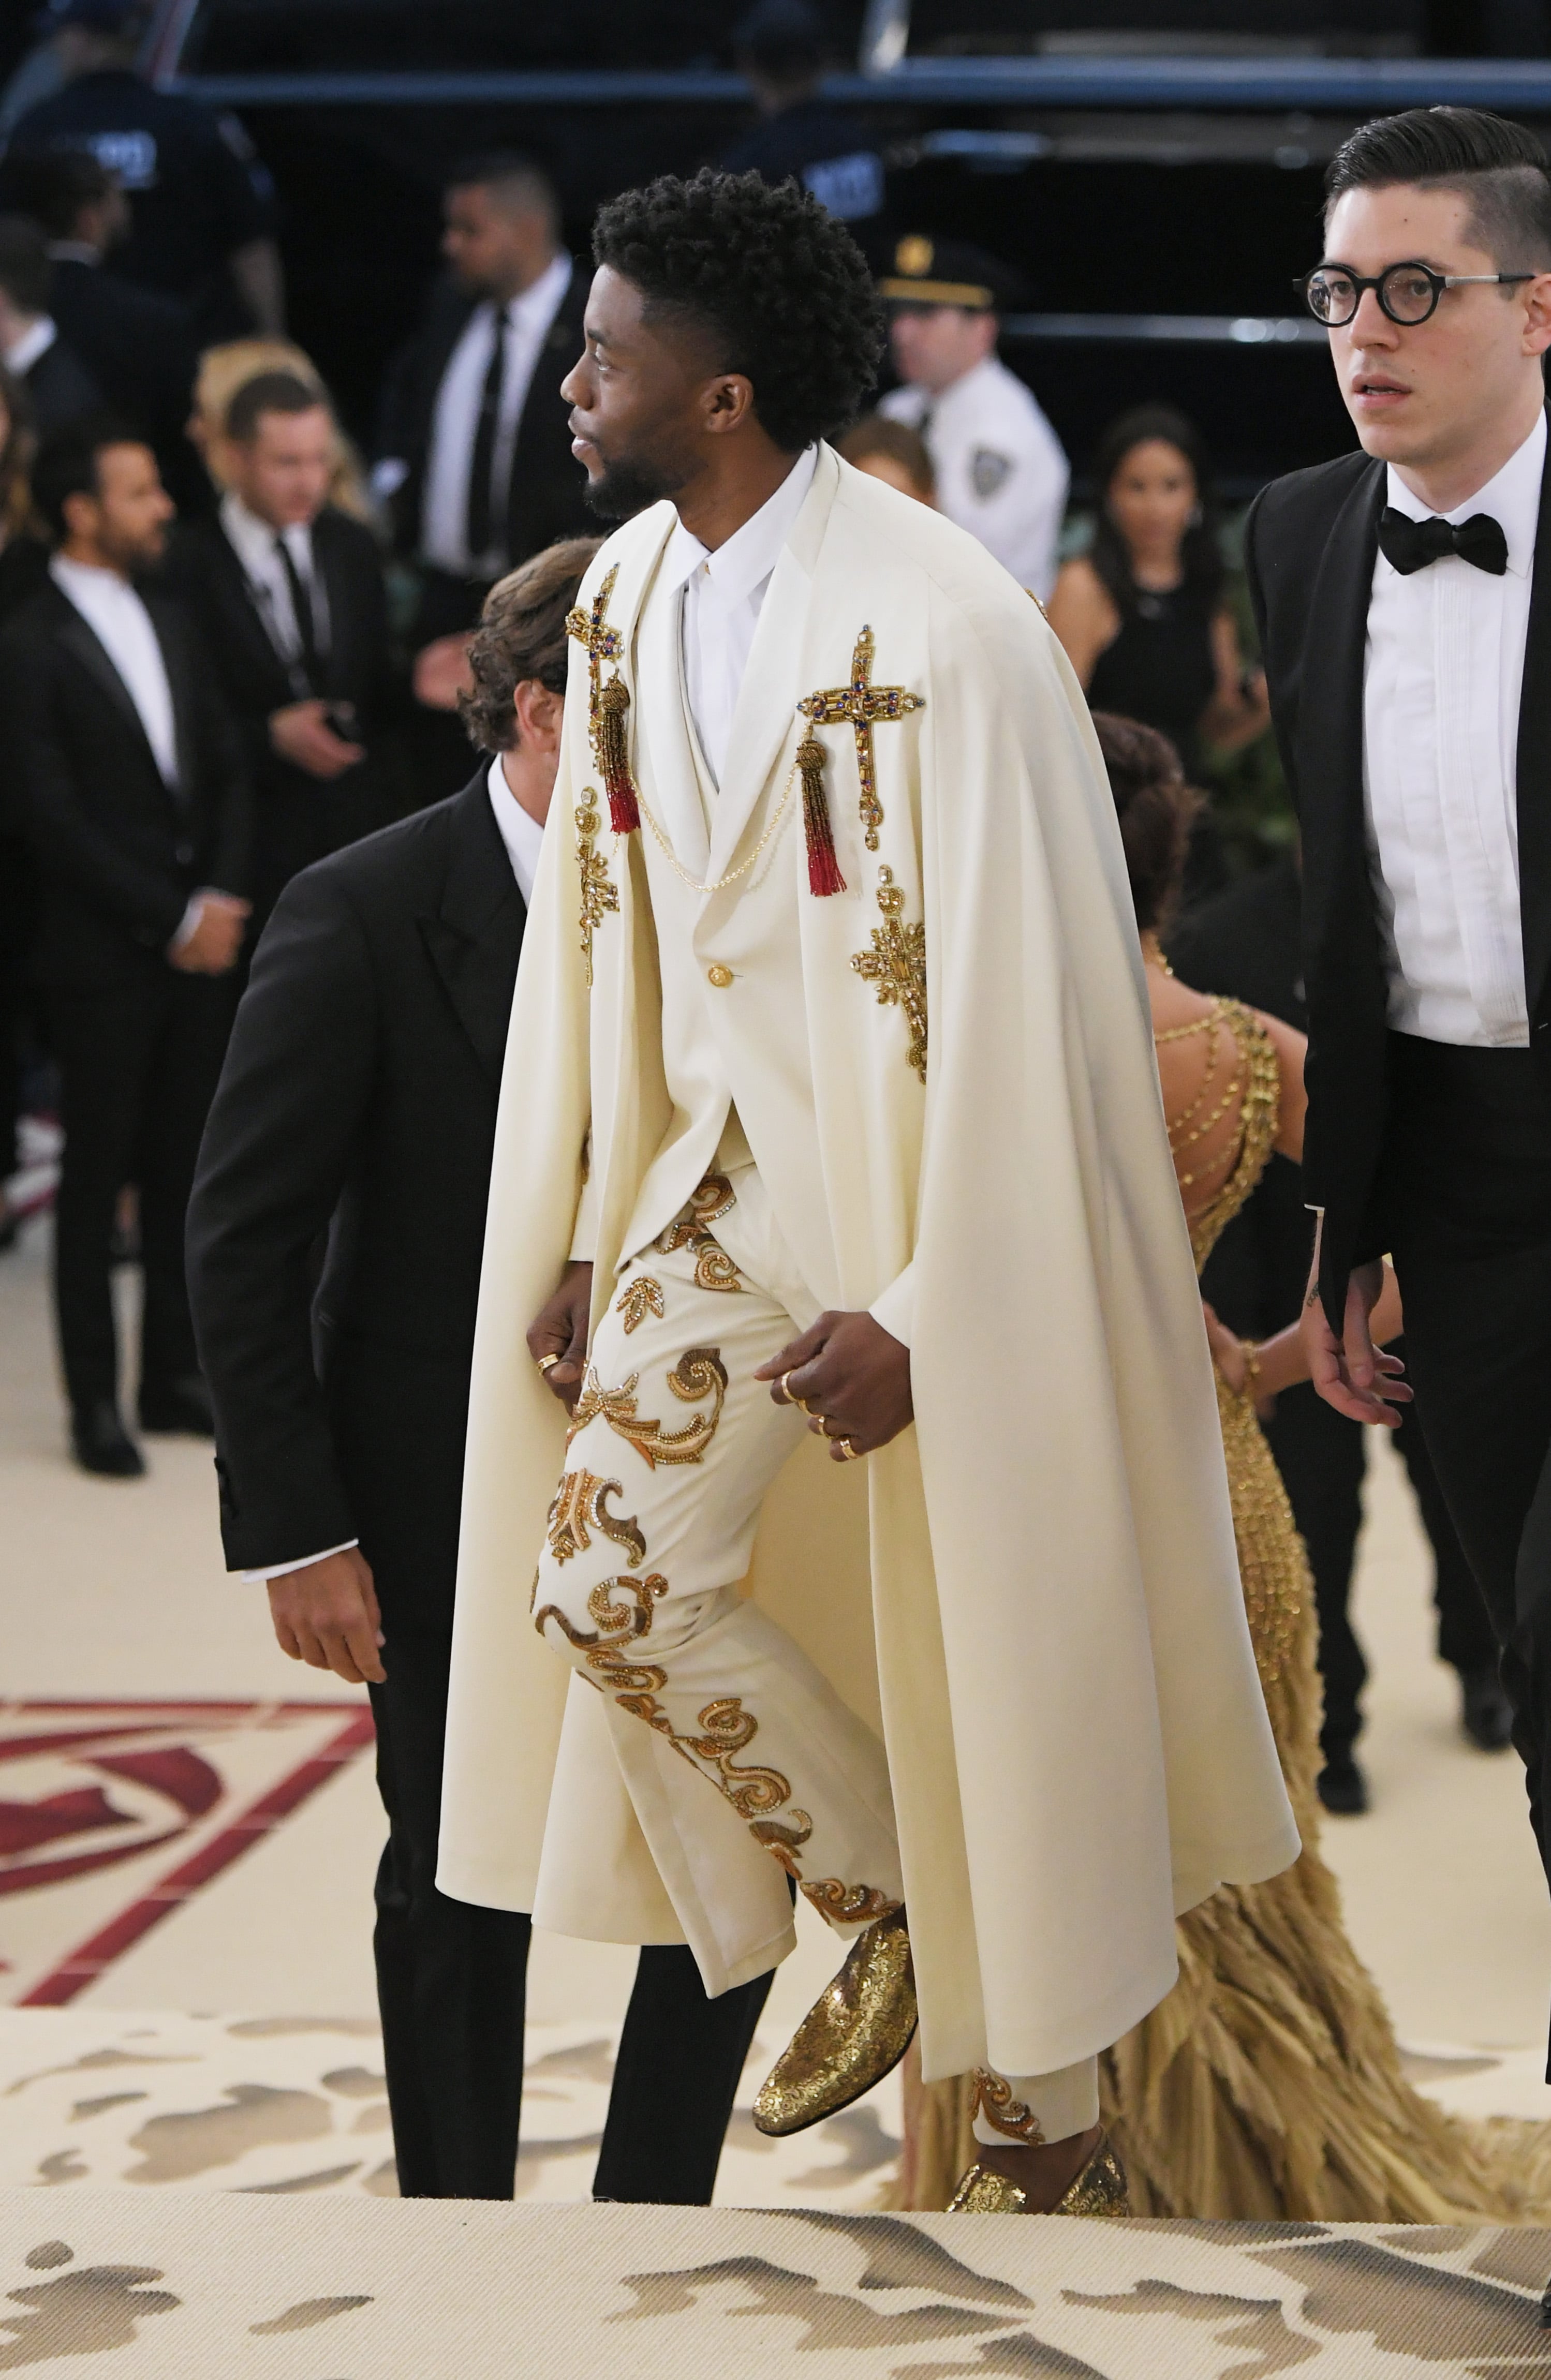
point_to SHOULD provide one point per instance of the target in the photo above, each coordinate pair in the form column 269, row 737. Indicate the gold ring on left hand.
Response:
column 547, row 1362
column 852, row 1454
column 789, row 1396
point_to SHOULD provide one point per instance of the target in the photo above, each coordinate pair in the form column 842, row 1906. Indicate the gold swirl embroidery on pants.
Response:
column 619, row 1626
column 848, row 1904
column 727, row 1728
column 637, row 1299
column 896, row 964
column 1012, row 2118
column 691, row 1228
column 700, row 1372
column 715, row 1269
column 581, row 1507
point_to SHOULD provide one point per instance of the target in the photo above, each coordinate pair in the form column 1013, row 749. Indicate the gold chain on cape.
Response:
column 716, row 884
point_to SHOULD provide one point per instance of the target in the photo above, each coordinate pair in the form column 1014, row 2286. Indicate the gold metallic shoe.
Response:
column 851, row 2038
column 1100, row 2189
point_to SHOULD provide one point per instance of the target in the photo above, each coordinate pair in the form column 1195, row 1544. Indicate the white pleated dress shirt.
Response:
column 723, row 593
column 444, row 512
column 1444, row 669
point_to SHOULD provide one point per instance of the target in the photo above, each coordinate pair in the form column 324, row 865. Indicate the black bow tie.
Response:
column 1410, row 545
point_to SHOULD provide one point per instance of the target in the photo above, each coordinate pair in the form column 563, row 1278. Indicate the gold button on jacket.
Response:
column 718, row 975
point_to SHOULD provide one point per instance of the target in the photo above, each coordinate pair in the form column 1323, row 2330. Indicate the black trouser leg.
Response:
column 104, row 1042
column 183, row 1070
column 1466, row 1640
column 680, row 2056
column 451, row 1977
column 1321, row 1457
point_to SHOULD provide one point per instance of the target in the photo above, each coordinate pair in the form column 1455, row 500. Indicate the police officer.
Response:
column 1001, row 471
column 201, row 206
column 779, row 49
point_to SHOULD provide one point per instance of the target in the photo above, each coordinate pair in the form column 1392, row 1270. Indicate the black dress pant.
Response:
column 451, row 1977
column 1323, row 1458
column 439, row 751
column 137, row 1064
column 1468, row 1196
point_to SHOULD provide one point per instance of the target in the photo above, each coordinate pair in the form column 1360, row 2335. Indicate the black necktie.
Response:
column 301, row 606
column 479, row 537
column 1410, row 545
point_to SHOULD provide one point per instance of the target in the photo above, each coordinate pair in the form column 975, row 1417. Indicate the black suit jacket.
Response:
column 298, row 818
column 545, row 498
column 118, row 852
column 358, row 1098
column 139, row 344
column 61, row 388
column 1310, row 546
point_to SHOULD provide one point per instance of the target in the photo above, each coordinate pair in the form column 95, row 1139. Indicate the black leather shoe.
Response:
column 180, row 1406
column 101, row 1443
column 1343, row 1789
column 1545, row 2308
column 1485, row 1713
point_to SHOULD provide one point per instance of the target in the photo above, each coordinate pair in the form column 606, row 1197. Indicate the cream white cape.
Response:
column 1035, row 1590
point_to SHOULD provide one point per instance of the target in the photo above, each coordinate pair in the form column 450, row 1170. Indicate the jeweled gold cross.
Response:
column 896, row 965
column 863, row 705
column 592, row 629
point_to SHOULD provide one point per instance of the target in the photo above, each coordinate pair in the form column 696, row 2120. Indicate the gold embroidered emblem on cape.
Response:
column 607, row 705
column 861, row 704
column 896, row 964
column 580, row 1507
column 698, row 1373
column 637, row 1299
column 598, row 895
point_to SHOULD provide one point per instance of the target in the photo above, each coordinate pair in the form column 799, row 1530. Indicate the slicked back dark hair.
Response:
column 67, row 462
column 272, row 391
column 519, row 178
column 1498, row 167
column 775, row 280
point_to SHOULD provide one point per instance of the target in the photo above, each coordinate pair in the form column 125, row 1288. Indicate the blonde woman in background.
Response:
column 223, row 370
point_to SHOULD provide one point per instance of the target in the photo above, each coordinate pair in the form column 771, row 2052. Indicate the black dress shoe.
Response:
column 181, row 1406
column 1343, row 1789
column 1545, row 2308
column 1485, row 1713
column 101, row 1443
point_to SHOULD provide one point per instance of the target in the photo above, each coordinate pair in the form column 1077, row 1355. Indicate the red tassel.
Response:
column 614, row 759
column 824, row 868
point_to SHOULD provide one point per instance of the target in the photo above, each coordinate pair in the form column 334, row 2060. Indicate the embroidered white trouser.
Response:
column 1028, row 2109
column 726, row 1734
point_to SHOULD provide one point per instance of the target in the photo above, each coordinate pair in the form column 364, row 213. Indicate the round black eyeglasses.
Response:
column 1408, row 293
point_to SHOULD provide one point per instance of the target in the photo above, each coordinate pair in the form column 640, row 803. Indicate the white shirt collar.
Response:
column 541, row 300
column 91, row 578
column 32, row 344
column 1511, row 497
column 752, row 552
column 252, row 539
column 523, row 836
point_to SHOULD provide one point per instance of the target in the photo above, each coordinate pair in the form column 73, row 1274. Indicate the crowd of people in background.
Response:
column 230, row 646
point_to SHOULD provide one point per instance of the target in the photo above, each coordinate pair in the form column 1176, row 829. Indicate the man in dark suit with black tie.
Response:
column 127, row 781
column 1406, row 639
column 290, row 595
column 474, row 443
column 59, row 385
column 360, row 1098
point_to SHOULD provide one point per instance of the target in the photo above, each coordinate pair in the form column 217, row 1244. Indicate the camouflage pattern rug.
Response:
column 176, row 2285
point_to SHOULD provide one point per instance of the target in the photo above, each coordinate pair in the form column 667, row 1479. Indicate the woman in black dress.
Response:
column 1142, row 613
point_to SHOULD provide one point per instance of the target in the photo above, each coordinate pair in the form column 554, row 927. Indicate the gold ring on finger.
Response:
column 547, row 1362
column 852, row 1454
column 786, row 1391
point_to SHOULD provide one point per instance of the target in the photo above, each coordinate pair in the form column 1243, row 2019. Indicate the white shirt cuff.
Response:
column 895, row 1309
column 282, row 1570
column 189, row 924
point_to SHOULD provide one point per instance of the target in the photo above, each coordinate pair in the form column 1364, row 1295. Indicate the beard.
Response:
column 626, row 487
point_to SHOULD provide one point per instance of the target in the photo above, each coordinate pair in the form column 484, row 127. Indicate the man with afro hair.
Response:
column 837, row 1134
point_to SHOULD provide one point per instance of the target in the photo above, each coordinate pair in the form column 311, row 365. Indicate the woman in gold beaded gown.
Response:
column 1268, row 2084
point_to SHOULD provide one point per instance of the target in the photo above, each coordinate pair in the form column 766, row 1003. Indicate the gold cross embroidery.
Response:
column 592, row 629
column 896, row 964
column 598, row 895
column 864, row 704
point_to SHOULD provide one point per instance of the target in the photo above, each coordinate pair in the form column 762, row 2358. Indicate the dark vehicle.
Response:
column 1156, row 191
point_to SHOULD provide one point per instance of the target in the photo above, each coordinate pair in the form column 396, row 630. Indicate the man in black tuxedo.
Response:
column 135, row 341
column 1406, row 639
column 127, row 783
column 60, row 388
column 474, row 443
column 1246, row 943
column 288, row 591
column 359, row 1100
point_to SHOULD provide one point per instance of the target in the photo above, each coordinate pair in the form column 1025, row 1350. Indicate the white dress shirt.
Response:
column 252, row 541
column 1443, row 668
column 1002, row 472
column 723, row 595
column 32, row 346
column 523, row 836
column 122, row 626
column 444, row 511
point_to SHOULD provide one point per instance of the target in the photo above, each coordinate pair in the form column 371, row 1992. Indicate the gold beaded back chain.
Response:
column 1175, row 1124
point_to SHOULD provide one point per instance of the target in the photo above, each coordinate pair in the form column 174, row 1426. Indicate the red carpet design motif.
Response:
column 112, row 1815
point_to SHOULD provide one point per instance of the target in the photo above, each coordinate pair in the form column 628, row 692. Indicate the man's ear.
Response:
column 1537, row 314
column 540, row 714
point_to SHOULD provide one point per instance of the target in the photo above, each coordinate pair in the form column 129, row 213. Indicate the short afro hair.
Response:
column 776, row 281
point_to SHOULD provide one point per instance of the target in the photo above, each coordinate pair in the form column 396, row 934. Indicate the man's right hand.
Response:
column 301, row 733
column 212, row 947
column 326, row 1615
column 560, row 1329
column 1350, row 1372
